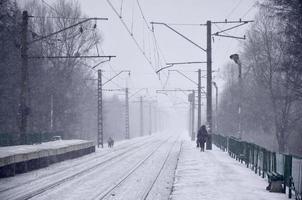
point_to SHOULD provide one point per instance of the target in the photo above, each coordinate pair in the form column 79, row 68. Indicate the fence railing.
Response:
column 10, row 139
column 263, row 161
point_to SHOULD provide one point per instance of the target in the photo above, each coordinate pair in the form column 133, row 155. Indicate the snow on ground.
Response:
column 20, row 179
column 112, row 164
column 23, row 149
column 214, row 175
column 200, row 175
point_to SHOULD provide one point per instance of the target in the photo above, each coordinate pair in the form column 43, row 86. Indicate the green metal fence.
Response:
column 263, row 161
column 10, row 139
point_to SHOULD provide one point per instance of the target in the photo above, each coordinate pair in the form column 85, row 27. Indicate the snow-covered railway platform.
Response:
column 156, row 167
column 23, row 158
column 214, row 175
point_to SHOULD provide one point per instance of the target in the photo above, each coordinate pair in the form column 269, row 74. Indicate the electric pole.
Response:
column 23, row 108
column 193, row 115
column 127, row 125
column 51, row 113
column 141, row 117
column 156, row 118
column 100, row 104
column 209, row 60
column 190, row 119
column 199, row 100
column 216, row 108
column 209, row 84
column 236, row 59
column 150, row 118
column 100, row 137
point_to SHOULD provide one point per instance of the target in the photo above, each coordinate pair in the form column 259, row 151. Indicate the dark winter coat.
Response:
column 202, row 134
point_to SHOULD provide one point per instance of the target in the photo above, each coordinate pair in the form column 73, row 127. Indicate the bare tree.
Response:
column 65, row 77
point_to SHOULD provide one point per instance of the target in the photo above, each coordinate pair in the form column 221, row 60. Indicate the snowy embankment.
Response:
column 214, row 175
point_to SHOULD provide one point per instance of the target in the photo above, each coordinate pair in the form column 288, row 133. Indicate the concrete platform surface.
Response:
column 22, row 153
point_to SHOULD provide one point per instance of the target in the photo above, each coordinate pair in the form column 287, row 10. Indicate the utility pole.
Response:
column 240, row 100
column 127, row 125
column 51, row 113
column 209, row 60
column 193, row 114
column 150, row 118
column 209, row 84
column 141, row 117
column 23, row 108
column 199, row 100
column 236, row 59
column 155, row 118
column 216, row 108
column 100, row 138
column 190, row 128
column 100, row 104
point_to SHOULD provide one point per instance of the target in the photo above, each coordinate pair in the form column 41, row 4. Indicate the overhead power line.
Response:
column 235, row 7
column 130, row 30
column 131, row 34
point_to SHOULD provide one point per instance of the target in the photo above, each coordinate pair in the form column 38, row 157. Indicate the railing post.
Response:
column 290, row 188
column 264, row 167
column 261, row 156
column 269, row 161
column 256, row 163
column 253, row 156
column 248, row 148
column 274, row 162
column 287, row 172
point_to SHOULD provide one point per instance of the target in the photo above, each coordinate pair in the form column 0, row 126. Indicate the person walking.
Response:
column 202, row 137
column 110, row 142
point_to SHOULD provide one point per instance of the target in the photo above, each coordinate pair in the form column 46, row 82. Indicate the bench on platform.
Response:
column 275, row 181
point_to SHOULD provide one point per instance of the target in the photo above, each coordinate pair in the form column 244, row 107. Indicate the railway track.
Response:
column 106, row 194
column 127, row 152
column 146, row 195
column 84, row 162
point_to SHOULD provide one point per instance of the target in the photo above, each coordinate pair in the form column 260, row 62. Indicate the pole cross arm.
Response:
column 146, row 89
column 113, row 90
column 243, row 23
column 230, row 36
column 169, row 65
column 175, row 90
column 186, row 63
column 116, row 76
column 109, row 59
column 231, row 22
column 75, row 56
column 183, row 76
column 64, row 29
column 186, row 38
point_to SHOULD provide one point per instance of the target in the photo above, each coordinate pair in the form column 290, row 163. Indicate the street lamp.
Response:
column 216, row 109
column 235, row 58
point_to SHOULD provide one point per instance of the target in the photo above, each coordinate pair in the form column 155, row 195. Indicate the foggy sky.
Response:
column 116, row 41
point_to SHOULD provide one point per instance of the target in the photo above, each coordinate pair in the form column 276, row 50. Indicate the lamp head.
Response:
column 235, row 57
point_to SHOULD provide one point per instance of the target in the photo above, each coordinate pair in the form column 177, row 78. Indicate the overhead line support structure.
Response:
column 100, row 136
column 127, row 125
column 209, row 60
column 192, row 108
column 169, row 65
column 209, row 84
column 24, row 109
column 199, row 91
